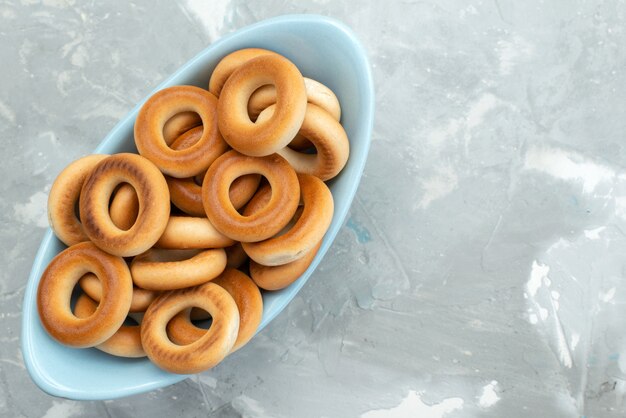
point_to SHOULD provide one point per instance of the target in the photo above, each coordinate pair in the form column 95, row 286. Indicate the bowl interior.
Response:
column 323, row 49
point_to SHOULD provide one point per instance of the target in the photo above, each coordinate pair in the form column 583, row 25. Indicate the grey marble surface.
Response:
column 480, row 273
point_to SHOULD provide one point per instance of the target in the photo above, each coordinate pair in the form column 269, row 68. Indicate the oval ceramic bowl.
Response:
column 323, row 49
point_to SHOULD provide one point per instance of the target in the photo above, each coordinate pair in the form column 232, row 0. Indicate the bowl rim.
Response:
column 53, row 387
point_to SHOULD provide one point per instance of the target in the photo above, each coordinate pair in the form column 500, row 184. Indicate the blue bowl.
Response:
column 323, row 49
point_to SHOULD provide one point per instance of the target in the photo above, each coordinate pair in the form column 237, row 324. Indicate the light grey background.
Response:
column 480, row 271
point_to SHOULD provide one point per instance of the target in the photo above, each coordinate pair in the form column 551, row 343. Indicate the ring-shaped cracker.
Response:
column 154, row 204
column 55, row 290
column 158, row 109
column 205, row 352
column 272, row 134
column 268, row 220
